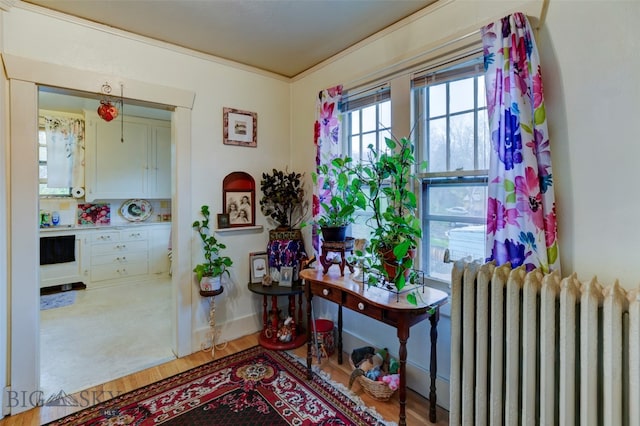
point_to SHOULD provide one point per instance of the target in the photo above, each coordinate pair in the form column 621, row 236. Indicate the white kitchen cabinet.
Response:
column 118, row 254
column 127, row 160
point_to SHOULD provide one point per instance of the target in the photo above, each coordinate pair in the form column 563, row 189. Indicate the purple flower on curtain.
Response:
column 327, row 118
column 509, row 145
column 550, row 227
column 529, row 199
column 508, row 251
column 538, row 95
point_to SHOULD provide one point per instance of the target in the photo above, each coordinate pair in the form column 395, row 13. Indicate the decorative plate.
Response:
column 136, row 210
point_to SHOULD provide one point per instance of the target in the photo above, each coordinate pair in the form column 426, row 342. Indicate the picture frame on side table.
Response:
column 259, row 266
column 240, row 127
column 286, row 276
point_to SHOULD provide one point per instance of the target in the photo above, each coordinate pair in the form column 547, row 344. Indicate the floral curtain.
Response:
column 521, row 214
column 327, row 136
column 65, row 152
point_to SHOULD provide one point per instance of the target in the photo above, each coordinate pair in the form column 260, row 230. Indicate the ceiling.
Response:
column 285, row 37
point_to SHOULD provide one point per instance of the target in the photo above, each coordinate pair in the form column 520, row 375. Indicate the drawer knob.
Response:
column 361, row 306
column 325, row 292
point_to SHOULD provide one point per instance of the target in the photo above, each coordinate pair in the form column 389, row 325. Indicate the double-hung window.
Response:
column 451, row 133
column 448, row 118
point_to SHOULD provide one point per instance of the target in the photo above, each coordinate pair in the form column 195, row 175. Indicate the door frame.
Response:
column 25, row 75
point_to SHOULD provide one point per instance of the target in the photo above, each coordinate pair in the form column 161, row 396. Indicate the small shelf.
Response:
column 240, row 228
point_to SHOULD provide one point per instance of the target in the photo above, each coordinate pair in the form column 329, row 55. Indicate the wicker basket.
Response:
column 376, row 389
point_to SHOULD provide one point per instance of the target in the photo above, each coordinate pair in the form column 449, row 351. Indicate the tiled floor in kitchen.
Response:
column 107, row 333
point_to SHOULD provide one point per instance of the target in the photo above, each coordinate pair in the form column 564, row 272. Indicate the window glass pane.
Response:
column 355, row 147
column 42, row 153
column 42, row 171
column 484, row 143
column 369, row 118
column 354, row 119
column 462, row 142
column 437, row 145
column 458, row 201
column 368, row 139
column 482, row 94
column 437, row 244
column 437, row 100
column 461, row 95
column 385, row 114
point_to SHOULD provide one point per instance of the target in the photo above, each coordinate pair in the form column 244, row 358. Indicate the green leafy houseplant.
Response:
column 342, row 186
column 215, row 264
column 283, row 198
column 396, row 228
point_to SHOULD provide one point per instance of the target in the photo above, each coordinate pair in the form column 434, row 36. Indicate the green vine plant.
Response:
column 215, row 263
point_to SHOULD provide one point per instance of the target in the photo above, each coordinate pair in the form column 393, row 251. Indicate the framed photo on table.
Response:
column 259, row 266
column 240, row 127
column 286, row 276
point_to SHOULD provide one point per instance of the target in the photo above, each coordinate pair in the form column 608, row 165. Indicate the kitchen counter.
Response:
column 77, row 228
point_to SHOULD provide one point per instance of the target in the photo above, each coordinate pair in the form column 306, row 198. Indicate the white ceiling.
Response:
column 285, row 37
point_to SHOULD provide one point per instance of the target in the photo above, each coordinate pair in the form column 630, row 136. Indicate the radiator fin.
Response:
column 538, row 349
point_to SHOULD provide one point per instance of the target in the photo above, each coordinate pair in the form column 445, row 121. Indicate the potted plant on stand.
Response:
column 210, row 272
column 283, row 201
column 389, row 176
column 340, row 197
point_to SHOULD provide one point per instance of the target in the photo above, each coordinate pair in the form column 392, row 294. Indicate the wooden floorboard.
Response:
column 417, row 406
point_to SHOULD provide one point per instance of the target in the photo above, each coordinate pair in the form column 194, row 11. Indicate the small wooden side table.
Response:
column 212, row 319
column 341, row 247
column 271, row 318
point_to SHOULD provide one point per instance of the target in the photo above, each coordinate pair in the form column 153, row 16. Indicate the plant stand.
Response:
column 212, row 321
column 341, row 247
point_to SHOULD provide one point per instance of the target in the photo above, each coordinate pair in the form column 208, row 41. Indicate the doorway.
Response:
column 110, row 327
column 24, row 77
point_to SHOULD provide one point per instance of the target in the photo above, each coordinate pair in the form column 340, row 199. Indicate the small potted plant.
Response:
column 340, row 197
column 210, row 272
column 389, row 176
column 283, row 199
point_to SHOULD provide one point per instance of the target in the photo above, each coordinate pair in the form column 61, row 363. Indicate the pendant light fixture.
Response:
column 108, row 109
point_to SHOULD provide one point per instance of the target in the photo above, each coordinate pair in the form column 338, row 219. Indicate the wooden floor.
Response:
column 417, row 406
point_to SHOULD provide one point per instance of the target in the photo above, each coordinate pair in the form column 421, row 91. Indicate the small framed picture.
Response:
column 240, row 127
column 223, row 220
column 259, row 264
column 286, row 276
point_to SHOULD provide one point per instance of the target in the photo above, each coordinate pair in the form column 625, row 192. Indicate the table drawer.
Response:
column 326, row 292
column 134, row 235
column 357, row 304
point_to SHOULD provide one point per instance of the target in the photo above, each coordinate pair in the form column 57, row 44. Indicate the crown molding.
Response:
column 7, row 4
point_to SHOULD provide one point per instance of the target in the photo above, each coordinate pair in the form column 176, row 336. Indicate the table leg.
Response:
column 403, row 336
column 434, row 318
column 309, row 331
column 340, row 333
column 274, row 317
column 265, row 316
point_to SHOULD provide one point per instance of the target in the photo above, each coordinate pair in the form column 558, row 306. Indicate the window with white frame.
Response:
column 452, row 134
column 449, row 125
column 44, row 189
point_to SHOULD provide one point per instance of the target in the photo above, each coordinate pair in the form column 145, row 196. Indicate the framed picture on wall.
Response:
column 259, row 266
column 237, row 204
column 240, row 127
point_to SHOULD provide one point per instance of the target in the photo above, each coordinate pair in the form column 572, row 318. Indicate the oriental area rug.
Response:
column 254, row 387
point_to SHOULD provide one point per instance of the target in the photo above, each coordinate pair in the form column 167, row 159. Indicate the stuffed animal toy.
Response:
column 374, row 373
column 393, row 365
column 392, row 380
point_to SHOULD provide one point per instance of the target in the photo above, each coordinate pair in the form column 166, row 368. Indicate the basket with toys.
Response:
column 375, row 371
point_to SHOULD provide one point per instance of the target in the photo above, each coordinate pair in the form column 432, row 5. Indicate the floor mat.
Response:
column 57, row 300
